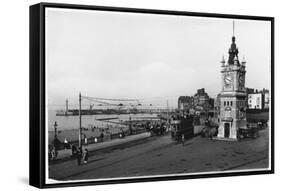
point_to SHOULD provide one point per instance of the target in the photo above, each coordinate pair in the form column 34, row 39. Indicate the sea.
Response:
column 99, row 120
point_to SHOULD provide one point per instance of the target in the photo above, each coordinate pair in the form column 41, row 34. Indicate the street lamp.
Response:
column 55, row 126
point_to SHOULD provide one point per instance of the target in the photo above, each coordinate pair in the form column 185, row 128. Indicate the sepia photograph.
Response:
column 140, row 95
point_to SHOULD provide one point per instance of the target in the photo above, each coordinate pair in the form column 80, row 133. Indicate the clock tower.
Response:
column 233, row 95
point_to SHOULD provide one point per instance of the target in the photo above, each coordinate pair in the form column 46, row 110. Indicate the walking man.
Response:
column 79, row 156
column 101, row 136
column 53, row 153
column 86, row 155
column 74, row 150
column 182, row 139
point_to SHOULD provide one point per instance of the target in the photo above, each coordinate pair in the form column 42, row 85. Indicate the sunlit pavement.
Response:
column 161, row 155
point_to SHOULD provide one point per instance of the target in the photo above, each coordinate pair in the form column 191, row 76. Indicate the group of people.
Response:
column 156, row 128
column 81, row 155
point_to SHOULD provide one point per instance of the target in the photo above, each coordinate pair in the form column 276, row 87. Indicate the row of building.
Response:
column 200, row 101
column 256, row 99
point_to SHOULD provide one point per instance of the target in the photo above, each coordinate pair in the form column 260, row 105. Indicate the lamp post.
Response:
column 55, row 137
column 80, row 122
column 55, row 127
column 130, row 122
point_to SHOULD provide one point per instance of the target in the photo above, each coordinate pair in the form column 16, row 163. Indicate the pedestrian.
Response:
column 53, row 153
column 85, row 155
column 74, row 150
column 182, row 139
column 86, row 141
column 101, row 136
column 79, row 156
column 123, row 133
column 50, row 153
column 211, row 134
column 151, row 130
column 65, row 143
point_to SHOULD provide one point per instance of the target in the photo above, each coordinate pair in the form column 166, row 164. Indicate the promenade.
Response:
column 160, row 155
column 66, row 153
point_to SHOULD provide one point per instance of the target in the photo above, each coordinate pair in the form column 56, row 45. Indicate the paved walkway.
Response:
column 114, row 142
column 163, row 156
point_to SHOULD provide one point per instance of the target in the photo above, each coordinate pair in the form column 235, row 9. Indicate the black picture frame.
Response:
column 37, row 94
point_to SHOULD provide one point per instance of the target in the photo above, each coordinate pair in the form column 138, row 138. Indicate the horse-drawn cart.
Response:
column 250, row 131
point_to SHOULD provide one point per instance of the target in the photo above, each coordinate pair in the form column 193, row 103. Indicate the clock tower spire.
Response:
column 233, row 50
column 233, row 27
column 233, row 94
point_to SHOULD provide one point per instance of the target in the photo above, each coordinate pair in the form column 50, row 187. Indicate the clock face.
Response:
column 227, row 80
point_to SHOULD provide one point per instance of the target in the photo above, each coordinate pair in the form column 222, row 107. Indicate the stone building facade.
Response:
column 258, row 99
column 233, row 95
column 185, row 103
column 201, row 98
column 255, row 100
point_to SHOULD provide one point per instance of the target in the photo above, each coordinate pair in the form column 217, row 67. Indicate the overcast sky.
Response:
column 149, row 57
